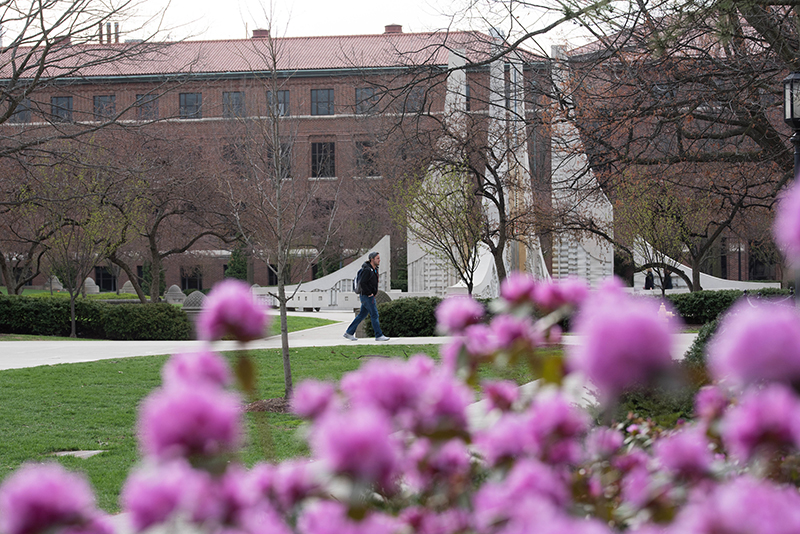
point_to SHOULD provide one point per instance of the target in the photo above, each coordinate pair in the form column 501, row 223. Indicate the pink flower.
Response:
column 182, row 421
column 454, row 314
column 513, row 333
column 420, row 520
column 529, row 496
column 603, row 442
column 741, row 506
column 786, row 227
column 501, row 394
column 624, row 343
column 41, row 498
column 480, row 341
column 285, row 484
column 685, row 453
column 557, row 427
column 154, row 494
column 518, row 288
column 442, row 405
column 358, row 443
column 557, row 293
column 757, row 343
column 710, row 403
column 190, row 368
column 391, row 385
column 764, row 418
column 231, row 310
column 327, row 517
column 312, row 398
column 505, row 440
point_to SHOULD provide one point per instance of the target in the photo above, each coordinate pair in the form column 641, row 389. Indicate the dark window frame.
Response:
column 61, row 108
column 22, row 114
column 233, row 104
column 146, row 107
column 366, row 166
column 190, row 105
column 322, row 102
column 105, row 106
column 282, row 105
column 366, row 100
column 323, row 159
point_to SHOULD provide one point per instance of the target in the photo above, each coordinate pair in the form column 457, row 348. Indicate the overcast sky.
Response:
column 236, row 19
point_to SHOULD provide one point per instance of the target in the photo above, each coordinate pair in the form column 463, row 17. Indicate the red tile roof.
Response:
column 245, row 55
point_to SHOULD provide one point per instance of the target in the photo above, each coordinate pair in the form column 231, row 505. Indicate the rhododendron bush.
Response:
column 421, row 446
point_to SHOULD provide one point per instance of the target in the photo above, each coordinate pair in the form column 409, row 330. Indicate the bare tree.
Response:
column 277, row 211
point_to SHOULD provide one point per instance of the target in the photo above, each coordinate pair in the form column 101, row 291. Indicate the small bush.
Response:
column 45, row 316
column 701, row 307
column 149, row 321
column 696, row 355
column 410, row 317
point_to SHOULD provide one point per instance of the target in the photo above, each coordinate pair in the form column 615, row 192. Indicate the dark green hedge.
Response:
column 96, row 320
column 702, row 307
column 410, row 317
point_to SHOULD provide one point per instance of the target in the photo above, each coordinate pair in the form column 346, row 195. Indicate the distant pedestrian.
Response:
column 648, row 279
column 367, row 289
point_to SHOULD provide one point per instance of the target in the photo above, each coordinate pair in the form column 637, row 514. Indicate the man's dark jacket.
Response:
column 369, row 280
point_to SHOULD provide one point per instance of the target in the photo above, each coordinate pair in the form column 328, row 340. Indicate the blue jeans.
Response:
column 368, row 307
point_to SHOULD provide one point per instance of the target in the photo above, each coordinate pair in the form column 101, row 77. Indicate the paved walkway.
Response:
column 18, row 354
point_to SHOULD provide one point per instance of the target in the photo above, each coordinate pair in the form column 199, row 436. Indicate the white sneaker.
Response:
column 351, row 337
column 382, row 338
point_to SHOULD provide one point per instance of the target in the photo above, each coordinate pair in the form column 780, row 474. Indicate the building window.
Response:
column 415, row 101
column 365, row 159
column 366, row 100
column 105, row 106
column 146, row 107
column 105, row 279
column 191, row 278
column 322, row 101
column 61, row 108
column 323, row 160
column 22, row 113
column 467, row 100
column 233, row 105
column 190, row 105
column 278, row 107
column 272, row 275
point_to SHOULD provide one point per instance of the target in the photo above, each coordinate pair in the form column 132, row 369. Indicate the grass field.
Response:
column 93, row 406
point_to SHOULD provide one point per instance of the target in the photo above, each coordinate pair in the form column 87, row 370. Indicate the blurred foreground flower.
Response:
column 230, row 309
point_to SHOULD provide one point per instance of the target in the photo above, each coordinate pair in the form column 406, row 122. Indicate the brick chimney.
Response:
column 260, row 34
column 116, row 32
column 393, row 28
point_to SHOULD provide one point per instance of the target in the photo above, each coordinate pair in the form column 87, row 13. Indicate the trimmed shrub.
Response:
column 45, row 316
column 696, row 355
column 148, row 321
column 410, row 317
column 702, row 307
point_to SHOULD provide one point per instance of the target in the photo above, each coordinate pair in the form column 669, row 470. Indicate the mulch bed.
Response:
column 279, row 405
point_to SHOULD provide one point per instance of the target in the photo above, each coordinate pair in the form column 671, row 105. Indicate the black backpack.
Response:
column 357, row 282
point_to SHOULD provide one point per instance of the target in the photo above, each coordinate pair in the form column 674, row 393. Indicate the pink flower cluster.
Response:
column 396, row 446
column 230, row 310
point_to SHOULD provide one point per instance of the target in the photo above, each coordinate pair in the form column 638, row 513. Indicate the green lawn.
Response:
column 91, row 406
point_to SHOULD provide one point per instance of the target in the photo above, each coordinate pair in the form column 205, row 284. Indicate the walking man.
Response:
column 368, row 288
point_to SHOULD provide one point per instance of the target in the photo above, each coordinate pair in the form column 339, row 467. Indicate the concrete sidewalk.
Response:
column 19, row 354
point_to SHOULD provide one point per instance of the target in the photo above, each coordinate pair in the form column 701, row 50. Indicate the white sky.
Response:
column 235, row 19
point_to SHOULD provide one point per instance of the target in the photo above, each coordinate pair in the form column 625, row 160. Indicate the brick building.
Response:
column 342, row 97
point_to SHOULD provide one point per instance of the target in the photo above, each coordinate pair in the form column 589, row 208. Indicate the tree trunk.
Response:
column 696, row 274
column 131, row 276
column 287, row 364
column 73, row 330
